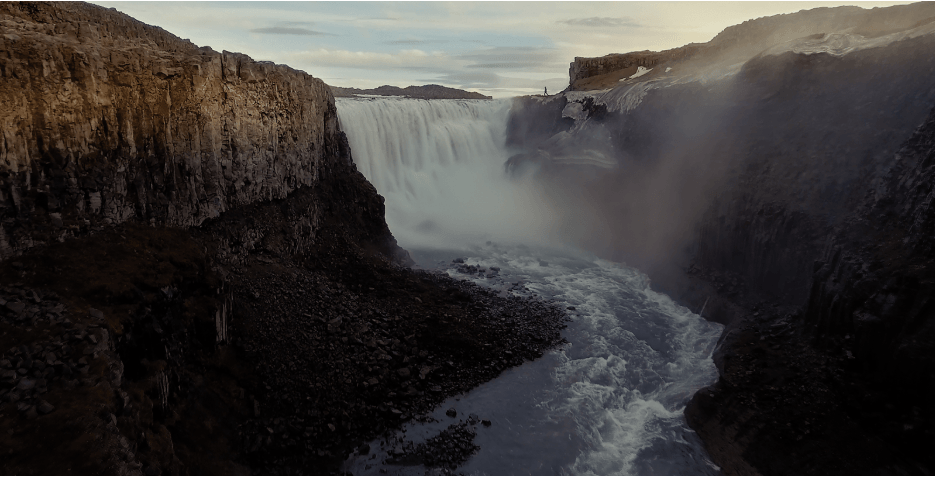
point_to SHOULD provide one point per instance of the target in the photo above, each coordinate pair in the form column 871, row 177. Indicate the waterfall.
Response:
column 439, row 164
column 610, row 401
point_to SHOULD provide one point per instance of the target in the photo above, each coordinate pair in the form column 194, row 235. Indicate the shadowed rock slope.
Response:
column 194, row 277
column 789, row 199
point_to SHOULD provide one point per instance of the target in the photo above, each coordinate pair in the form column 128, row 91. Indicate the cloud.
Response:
column 289, row 30
column 601, row 22
column 405, row 42
column 412, row 59
column 488, row 80
column 415, row 42
column 515, row 58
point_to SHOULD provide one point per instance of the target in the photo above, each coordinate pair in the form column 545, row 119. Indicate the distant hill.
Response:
column 429, row 91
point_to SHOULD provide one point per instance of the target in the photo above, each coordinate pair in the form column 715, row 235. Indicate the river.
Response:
column 610, row 401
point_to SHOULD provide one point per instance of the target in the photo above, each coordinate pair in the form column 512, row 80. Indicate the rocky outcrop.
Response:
column 194, row 276
column 107, row 120
column 742, row 42
column 584, row 68
column 794, row 192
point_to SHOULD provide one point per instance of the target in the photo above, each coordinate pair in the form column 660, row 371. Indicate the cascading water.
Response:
column 439, row 164
column 610, row 401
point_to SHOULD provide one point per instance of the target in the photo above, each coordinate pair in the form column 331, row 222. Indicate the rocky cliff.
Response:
column 739, row 43
column 787, row 197
column 106, row 119
column 195, row 278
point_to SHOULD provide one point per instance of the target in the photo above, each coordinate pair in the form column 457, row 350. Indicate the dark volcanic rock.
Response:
column 800, row 224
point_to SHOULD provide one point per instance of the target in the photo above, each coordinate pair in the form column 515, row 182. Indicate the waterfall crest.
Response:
column 439, row 164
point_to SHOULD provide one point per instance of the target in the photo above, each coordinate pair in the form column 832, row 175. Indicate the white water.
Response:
column 609, row 402
column 439, row 164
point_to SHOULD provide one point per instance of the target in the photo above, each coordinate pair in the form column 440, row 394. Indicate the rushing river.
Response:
column 610, row 401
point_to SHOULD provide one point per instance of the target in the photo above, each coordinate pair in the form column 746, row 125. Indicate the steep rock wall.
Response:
column 739, row 43
column 874, row 282
column 812, row 240
column 766, row 163
column 107, row 119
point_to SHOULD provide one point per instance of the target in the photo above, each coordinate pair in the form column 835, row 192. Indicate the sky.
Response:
column 499, row 49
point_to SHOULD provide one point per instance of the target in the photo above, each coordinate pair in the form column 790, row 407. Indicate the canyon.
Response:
column 195, row 277
column 774, row 180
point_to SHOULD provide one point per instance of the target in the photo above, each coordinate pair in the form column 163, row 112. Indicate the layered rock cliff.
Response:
column 194, row 276
column 106, row 119
column 739, row 43
column 787, row 197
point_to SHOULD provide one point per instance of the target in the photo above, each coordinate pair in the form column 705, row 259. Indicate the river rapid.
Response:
column 611, row 400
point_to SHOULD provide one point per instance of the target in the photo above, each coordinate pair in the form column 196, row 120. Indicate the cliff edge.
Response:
column 784, row 185
column 739, row 43
column 106, row 119
column 194, row 276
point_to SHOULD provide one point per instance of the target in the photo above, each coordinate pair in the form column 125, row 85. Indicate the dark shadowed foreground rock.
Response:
column 273, row 364
column 194, row 277
column 802, row 221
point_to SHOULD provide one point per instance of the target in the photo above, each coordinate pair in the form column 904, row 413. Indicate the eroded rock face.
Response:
column 106, row 119
column 809, row 233
column 739, row 43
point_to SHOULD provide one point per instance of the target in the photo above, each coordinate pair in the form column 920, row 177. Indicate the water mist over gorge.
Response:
column 611, row 400
column 717, row 258
column 724, row 180
column 439, row 164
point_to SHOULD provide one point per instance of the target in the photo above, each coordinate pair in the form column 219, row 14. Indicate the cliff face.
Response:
column 794, row 192
column 584, row 68
column 143, row 182
column 106, row 119
column 740, row 43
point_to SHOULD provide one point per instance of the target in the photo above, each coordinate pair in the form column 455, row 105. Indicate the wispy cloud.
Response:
column 514, row 58
column 598, row 22
column 289, row 30
column 416, row 42
column 412, row 59
column 487, row 80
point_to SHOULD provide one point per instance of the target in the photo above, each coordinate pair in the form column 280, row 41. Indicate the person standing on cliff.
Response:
column 546, row 91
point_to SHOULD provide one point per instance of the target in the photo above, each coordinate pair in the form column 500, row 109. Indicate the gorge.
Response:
column 712, row 259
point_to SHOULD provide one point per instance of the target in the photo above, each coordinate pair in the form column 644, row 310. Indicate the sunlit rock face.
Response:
column 107, row 119
column 839, row 29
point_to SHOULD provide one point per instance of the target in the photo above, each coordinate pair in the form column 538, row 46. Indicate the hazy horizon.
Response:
column 500, row 49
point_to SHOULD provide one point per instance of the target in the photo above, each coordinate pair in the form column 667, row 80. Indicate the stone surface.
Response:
column 107, row 119
column 807, row 233
column 741, row 42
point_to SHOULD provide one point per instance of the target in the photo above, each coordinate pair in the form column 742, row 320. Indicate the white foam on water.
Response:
column 611, row 401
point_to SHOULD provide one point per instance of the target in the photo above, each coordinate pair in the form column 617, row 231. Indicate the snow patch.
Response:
column 640, row 71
